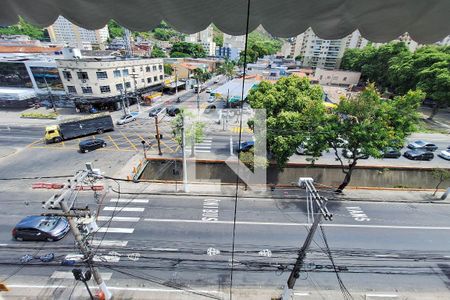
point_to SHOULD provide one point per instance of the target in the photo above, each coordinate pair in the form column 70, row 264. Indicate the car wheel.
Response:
column 99, row 131
column 57, row 140
column 103, row 145
column 50, row 240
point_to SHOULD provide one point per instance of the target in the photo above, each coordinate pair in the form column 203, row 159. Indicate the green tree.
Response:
column 298, row 58
column 217, row 36
column 24, row 28
column 367, row 124
column 168, row 69
column 259, row 45
column 115, row 30
column 187, row 50
column 227, row 68
column 294, row 111
column 441, row 175
column 194, row 131
column 157, row 52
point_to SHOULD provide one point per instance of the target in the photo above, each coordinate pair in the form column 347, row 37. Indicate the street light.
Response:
column 143, row 148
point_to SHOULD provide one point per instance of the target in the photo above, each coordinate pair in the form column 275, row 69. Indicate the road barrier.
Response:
column 57, row 186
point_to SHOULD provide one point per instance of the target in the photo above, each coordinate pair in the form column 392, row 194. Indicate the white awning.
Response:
column 377, row 20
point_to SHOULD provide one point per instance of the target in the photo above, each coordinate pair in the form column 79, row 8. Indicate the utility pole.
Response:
column 183, row 146
column 60, row 199
column 123, row 102
column 176, row 80
column 50, row 94
column 158, row 136
column 134, row 75
column 317, row 209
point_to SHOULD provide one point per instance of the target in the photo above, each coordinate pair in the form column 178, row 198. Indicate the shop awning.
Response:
column 377, row 20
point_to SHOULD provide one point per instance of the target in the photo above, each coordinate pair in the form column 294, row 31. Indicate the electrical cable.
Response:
column 73, row 289
column 239, row 152
column 37, row 177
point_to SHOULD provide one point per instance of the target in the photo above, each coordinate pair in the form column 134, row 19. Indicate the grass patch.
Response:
column 36, row 115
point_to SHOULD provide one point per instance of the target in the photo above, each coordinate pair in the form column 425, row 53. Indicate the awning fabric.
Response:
column 378, row 20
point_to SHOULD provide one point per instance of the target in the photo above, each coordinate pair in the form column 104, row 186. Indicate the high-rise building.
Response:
column 64, row 32
column 326, row 54
column 204, row 38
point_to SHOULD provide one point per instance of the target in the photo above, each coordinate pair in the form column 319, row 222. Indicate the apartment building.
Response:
column 204, row 38
column 64, row 32
column 110, row 77
column 319, row 53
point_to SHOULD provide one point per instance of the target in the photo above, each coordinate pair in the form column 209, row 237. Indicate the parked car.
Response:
column 209, row 90
column 391, row 153
column 210, row 108
column 126, row 119
column 172, row 111
column 422, row 145
column 445, row 154
column 246, row 146
column 41, row 228
column 91, row 144
column 418, row 155
column 154, row 111
column 349, row 154
column 211, row 99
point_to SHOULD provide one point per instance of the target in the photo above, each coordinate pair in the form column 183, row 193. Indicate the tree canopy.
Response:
column 115, row 30
column 260, row 45
column 227, row 68
column 185, row 49
column 157, row 52
column 24, row 28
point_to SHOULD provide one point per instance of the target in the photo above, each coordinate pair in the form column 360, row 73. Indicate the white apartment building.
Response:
column 234, row 41
column 336, row 77
column 204, row 38
column 109, row 77
column 64, row 32
column 319, row 53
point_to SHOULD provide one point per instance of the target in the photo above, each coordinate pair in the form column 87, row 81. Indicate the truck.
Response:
column 74, row 128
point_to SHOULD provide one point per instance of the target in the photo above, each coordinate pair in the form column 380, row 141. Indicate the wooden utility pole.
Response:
column 158, row 136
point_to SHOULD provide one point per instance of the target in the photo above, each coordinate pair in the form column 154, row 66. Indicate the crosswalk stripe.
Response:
column 118, row 219
column 109, row 243
column 203, row 151
column 122, row 208
column 115, row 230
column 125, row 200
column 97, row 258
column 202, row 147
column 69, row 275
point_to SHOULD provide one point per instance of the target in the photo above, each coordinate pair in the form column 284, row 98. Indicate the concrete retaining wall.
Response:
column 326, row 175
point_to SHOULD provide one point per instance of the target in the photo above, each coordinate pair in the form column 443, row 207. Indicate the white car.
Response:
column 126, row 119
column 445, row 154
column 211, row 99
column 209, row 90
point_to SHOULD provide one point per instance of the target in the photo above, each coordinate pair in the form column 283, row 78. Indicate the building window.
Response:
column 67, row 75
column 133, row 70
column 125, row 72
column 161, row 77
column 344, row 79
column 83, row 75
column 141, row 69
column 147, row 69
column 71, row 89
column 119, row 87
column 127, row 84
column 102, row 75
column 105, row 89
column 86, row 90
column 142, row 80
column 160, row 67
column 155, row 78
column 154, row 68
column 149, row 80
column 116, row 73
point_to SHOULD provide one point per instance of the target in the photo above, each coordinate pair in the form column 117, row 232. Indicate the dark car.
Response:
column 210, row 108
column 91, row 144
column 422, row 145
column 41, row 228
column 349, row 154
column 418, row 155
column 246, row 146
column 391, row 153
column 154, row 111
column 172, row 111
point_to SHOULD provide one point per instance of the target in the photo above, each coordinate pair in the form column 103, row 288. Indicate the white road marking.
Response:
column 299, row 224
column 382, row 295
column 125, row 200
column 122, row 208
column 210, row 211
column 164, row 249
column 301, row 294
column 357, row 213
column 116, row 230
column 202, row 151
column 109, row 243
column 118, row 219
column 386, row 255
column 97, row 258
column 69, row 275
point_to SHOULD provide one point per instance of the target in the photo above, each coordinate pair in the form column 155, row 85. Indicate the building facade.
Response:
column 336, row 77
column 64, row 32
column 204, row 38
column 319, row 53
column 228, row 53
column 109, row 77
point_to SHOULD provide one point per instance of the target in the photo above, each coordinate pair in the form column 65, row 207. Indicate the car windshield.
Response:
column 225, row 149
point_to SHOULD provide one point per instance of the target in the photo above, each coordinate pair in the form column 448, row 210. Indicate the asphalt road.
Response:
column 188, row 240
